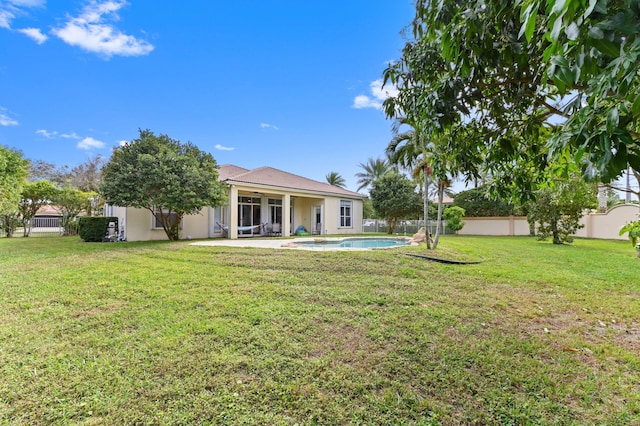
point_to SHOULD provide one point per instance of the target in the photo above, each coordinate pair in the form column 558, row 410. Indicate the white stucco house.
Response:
column 263, row 201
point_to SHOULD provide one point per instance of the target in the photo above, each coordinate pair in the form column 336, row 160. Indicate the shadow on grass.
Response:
column 445, row 261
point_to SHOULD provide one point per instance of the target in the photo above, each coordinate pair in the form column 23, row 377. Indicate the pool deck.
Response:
column 279, row 243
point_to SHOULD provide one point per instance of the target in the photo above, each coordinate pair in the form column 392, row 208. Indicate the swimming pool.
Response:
column 353, row 243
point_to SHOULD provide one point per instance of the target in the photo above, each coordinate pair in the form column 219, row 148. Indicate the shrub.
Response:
column 94, row 229
column 478, row 202
column 633, row 229
column 453, row 215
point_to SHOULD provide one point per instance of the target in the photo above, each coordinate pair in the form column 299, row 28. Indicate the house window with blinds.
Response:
column 346, row 214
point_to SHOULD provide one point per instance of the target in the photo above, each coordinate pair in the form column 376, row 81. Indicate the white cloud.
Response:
column 35, row 34
column 363, row 101
column 5, row 120
column 27, row 3
column 383, row 93
column 123, row 143
column 378, row 95
column 9, row 9
column 92, row 31
column 5, row 19
column 55, row 134
column 47, row 134
column 268, row 126
column 86, row 143
column 71, row 135
column 90, row 143
column 224, row 148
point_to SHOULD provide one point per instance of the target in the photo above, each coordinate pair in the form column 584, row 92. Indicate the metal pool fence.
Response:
column 404, row 227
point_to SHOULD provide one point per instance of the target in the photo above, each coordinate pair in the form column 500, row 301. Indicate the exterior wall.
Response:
column 332, row 217
column 138, row 225
column 596, row 225
column 512, row 225
column 607, row 225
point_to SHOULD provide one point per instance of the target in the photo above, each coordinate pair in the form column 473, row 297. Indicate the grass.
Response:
column 167, row 333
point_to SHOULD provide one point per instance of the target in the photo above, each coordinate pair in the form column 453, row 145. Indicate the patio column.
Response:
column 286, row 216
column 233, row 213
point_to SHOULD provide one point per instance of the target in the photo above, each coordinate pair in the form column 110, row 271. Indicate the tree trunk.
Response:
column 391, row 225
column 532, row 227
column 9, row 226
column 425, row 197
column 554, row 232
column 441, row 186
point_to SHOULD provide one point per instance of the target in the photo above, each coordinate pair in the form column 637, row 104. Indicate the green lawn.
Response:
column 167, row 333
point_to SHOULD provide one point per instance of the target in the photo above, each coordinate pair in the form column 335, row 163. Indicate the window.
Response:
column 346, row 212
column 156, row 223
column 275, row 210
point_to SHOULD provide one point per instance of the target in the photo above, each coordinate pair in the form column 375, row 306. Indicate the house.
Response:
column 262, row 201
column 47, row 216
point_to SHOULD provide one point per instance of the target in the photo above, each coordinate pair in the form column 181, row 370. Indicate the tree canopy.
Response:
column 559, row 206
column 13, row 172
column 164, row 176
column 495, row 73
column 35, row 195
column 334, row 178
column 86, row 176
column 372, row 170
column 393, row 196
column 70, row 202
column 478, row 202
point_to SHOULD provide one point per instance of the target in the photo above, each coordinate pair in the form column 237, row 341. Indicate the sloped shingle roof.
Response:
column 227, row 171
column 278, row 178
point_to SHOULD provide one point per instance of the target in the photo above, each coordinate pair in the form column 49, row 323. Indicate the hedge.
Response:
column 95, row 229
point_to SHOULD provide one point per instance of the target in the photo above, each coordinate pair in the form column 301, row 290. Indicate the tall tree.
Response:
column 493, row 73
column 429, row 157
column 163, row 175
column 373, row 169
column 559, row 206
column 13, row 173
column 87, row 176
column 43, row 170
column 393, row 196
column 409, row 149
column 70, row 202
column 334, row 178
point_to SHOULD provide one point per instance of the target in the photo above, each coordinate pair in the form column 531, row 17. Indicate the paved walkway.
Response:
column 277, row 243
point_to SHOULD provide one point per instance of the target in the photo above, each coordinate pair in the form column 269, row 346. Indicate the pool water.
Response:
column 356, row 243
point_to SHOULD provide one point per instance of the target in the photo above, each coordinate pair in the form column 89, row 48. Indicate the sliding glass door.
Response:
column 248, row 215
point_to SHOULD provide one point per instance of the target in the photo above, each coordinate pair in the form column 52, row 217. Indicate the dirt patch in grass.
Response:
column 347, row 344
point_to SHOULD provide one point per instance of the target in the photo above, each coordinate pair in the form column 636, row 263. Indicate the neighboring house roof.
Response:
column 445, row 200
column 48, row 210
column 269, row 176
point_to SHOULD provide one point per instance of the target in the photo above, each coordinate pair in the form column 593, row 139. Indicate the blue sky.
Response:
column 289, row 84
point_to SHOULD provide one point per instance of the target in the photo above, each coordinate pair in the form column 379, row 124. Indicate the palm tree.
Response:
column 428, row 159
column 373, row 169
column 334, row 178
column 410, row 150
